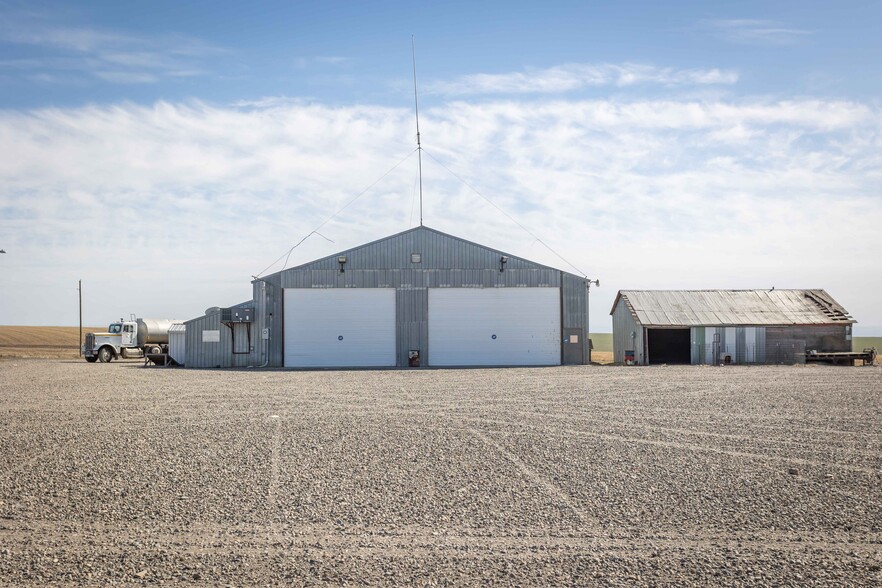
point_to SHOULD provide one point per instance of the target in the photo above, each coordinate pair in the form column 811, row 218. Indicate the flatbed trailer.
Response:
column 868, row 356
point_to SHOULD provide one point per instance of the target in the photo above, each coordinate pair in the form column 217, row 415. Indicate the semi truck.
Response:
column 128, row 339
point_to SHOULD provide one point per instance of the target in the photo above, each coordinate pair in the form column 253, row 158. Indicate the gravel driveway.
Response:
column 118, row 474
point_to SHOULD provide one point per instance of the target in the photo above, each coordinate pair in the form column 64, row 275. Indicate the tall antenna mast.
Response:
column 416, row 107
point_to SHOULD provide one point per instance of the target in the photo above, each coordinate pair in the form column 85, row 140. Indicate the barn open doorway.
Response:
column 670, row 346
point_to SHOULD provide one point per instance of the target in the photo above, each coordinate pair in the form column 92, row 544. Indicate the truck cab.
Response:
column 103, row 347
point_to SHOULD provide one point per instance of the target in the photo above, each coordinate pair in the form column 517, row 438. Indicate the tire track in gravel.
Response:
column 558, row 432
column 538, row 479
column 819, row 444
column 442, row 411
column 729, row 452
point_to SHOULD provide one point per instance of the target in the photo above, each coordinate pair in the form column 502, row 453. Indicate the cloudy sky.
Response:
column 165, row 154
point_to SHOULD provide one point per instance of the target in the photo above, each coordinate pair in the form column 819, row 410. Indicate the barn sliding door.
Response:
column 340, row 327
column 494, row 326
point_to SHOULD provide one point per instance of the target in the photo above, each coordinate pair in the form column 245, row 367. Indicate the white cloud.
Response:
column 756, row 32
column 170, row 208
column 574, row 76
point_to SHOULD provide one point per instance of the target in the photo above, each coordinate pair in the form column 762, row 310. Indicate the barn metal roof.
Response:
column 439, row 251
column 686, row 308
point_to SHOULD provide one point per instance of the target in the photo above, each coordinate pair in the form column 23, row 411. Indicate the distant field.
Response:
column 42, row 342
column 861, row 343
column 602, row 341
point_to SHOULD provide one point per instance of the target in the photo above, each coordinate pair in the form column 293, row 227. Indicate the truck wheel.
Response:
column 92, row 359
column 105, row 355
column 155, row 349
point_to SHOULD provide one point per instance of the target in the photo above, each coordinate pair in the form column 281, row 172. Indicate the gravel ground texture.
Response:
column 116, row 474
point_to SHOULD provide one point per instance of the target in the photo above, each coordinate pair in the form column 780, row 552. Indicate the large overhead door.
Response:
column 494, row 326
column 340, row 327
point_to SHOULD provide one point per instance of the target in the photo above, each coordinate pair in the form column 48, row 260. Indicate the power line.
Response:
column 508, row 216
column 287, row 254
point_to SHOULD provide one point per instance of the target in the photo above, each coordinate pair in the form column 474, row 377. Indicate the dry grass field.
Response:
column 115, row 474
column 42, row 342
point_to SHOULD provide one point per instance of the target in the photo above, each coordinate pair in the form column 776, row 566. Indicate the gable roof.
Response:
column 687, row 308
column 438, row 250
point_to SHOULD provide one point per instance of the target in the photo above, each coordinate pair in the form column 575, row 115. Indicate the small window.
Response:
column 129, row 328
column 416, row 258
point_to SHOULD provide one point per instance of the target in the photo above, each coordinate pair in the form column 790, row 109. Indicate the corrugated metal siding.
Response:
column 268, row 304
column 697, row 336
column 421, row 278
column 446, row 262
column 177, row 343
column 819, row 338
column 623, row 325
column 411, row 311
column 574, row 308
column 746, row 344
column 202, row 354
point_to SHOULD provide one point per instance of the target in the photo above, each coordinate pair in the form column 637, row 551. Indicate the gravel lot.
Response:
column 118, row 474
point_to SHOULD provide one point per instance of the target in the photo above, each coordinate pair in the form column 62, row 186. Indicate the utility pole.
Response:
column 80, row 291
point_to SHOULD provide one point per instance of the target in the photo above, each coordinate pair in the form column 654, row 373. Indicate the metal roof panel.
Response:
column 734, row 307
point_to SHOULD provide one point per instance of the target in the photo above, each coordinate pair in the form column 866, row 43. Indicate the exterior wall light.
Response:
column 502, row 261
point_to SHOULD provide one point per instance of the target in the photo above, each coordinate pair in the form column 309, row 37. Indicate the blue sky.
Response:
column 57, row 54
column 653, row 145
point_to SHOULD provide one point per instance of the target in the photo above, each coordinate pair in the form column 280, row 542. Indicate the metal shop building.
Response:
column 726, row 326
column 416, row 298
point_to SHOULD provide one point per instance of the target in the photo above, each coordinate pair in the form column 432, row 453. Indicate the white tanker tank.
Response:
column 154, row 331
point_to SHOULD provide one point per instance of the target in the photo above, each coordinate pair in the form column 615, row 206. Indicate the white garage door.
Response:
column 494, row 326
column 340, row 327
